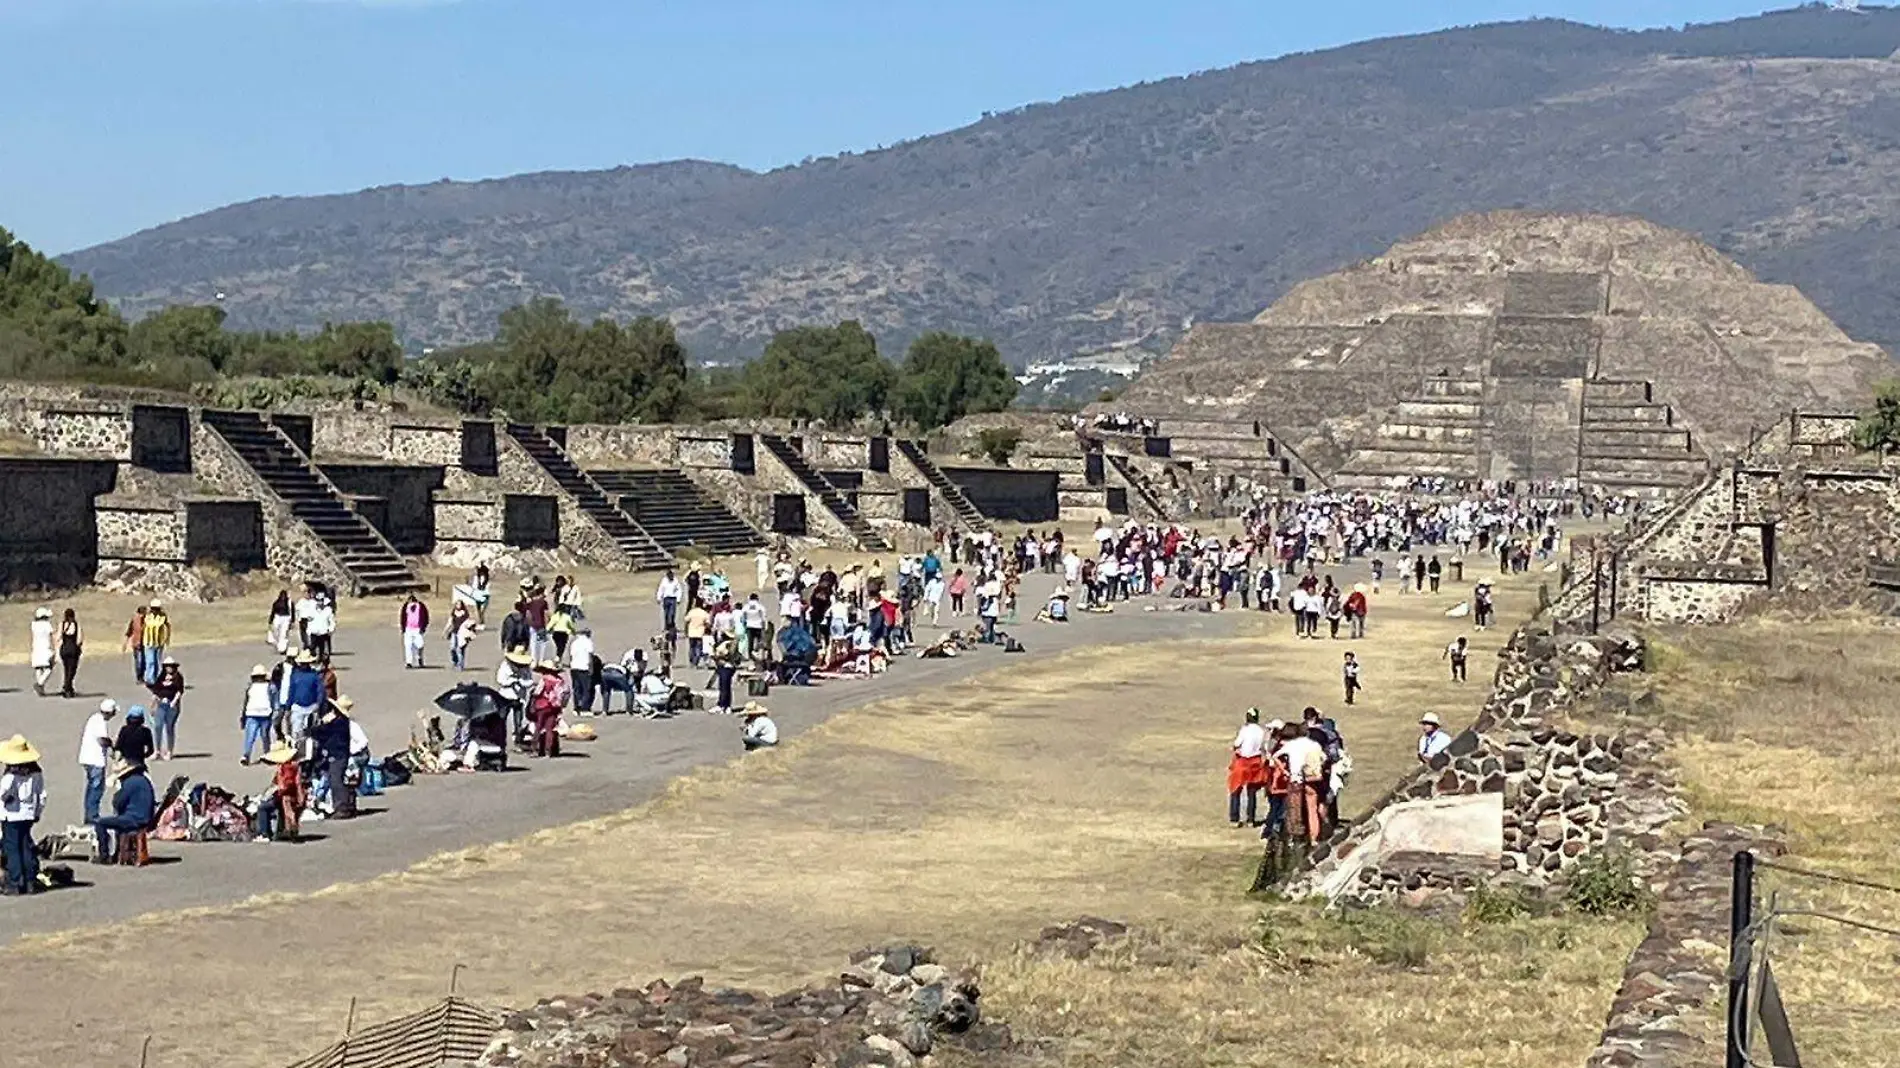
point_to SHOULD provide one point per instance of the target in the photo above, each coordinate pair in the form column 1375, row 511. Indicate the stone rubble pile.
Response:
column 890, row 1008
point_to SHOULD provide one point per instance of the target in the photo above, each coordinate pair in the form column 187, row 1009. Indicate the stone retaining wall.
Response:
column 99, row 432
column 580, row 535
column 291, row 550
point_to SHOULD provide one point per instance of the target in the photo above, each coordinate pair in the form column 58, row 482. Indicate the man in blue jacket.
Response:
column 134, row 807
column 306, row 695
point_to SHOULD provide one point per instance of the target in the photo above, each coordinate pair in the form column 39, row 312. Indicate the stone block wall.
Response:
column 772, row 476
column 291, row 550
column 714, row 453
column 600, row 446
column 844, row 453
column 141, row 533
column 94, row 433
column 580, row 535
column 435, row 445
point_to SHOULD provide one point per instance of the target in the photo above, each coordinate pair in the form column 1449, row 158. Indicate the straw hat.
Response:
column 548, row 666
column 281, row 753
column 42, row 613
column 158, row 604
column 753, row 708
column 1429, row 719
column 17, row 750
column 344, row 702
column 1275, row 726
column 259, row 671
column 169, row 661
column 1061, row 593
column 305, row 657
column 1358, row 587
column 109, row 707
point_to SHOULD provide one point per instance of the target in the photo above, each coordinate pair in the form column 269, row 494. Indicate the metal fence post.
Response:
column 1741, row 914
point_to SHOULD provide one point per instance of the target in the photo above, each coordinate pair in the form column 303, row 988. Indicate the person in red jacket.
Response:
column 546, row 705
column 1356, row 606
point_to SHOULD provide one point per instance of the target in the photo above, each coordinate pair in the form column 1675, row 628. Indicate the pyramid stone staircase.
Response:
column 640, row 546
column 670, row 506
column 372, row 564
column 960, row 502
column 827, row 494
column 1441, row 431
column 1144, row 490
column 1630, row 442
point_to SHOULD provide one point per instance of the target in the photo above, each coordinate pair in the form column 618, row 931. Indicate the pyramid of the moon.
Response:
column 1514, row 345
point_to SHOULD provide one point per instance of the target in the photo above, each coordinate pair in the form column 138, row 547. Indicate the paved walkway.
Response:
column 631, row 762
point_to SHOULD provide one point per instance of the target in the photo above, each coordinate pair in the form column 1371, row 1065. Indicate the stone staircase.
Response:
column 671, row 507
column 1441, row 431
column 372, row 563
column 1246, row 447
column 1138, row 482
column 641, row 547
column 959, row 502
column 827, row 494
column 1629, row 442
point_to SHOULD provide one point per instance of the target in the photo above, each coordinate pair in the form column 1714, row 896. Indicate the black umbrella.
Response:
column 473, row 701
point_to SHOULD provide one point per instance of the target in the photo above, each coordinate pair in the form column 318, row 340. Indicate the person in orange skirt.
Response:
column 1247, row 770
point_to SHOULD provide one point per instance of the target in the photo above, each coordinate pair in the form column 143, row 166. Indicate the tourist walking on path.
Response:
column 42, row 649
column 168, row 693
column 548, row 700
column 255, row 716
column 1458, row 652
column 72, row 642
column 1356, row 607
column 277, row 631
column 304, row 696
column 413, row 618
column 158, row 635
column 95, row 752
column 135, row 643
column 22, row 803
column 321, row 629
column 461, row 632
column 583, row 668
column 668, row 597
column 1247, row 770
column 1349, row 676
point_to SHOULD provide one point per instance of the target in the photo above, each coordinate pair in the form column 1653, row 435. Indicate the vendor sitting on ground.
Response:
column 1057, row 610
column 760, row 732
column 281, row 805
column 133, row 807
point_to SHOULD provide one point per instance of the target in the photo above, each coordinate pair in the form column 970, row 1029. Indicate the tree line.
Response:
column 543, row 365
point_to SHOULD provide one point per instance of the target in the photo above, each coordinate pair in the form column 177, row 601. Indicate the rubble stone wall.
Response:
column 141, row 533
column 94, row 433
column 709, row 452
column 839, row 453
column 606, row 447
column 291, row 550
column 437, row 445
column 580, row 535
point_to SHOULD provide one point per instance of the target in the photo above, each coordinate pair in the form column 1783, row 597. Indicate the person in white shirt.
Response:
column 1247, row 770
column 762, row 567
column 22, row 803
column 256, row 715
column 42, row 656
column 791, row 606
column 668, row 597
column 1305, row 762
column 580, row 668
column 1432, row 740
column 95, row 752
column 760, row 732
column 1072, row 568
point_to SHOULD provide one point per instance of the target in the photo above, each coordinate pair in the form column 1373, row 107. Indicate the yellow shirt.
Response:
column 697, row 621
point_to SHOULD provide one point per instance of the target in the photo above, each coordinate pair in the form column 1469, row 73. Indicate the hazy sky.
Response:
column 122, row 114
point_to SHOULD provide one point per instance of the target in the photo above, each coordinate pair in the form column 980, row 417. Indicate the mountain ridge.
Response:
column 1117, row 217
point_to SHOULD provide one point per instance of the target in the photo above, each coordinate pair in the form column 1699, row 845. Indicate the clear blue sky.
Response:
column 123, row 114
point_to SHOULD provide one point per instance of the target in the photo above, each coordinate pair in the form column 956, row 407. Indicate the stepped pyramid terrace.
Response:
column 1509, row 346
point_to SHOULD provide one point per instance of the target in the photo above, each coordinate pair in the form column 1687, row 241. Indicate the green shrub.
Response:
column 1487, row 904
column 1392, row 938
column 1604, row 884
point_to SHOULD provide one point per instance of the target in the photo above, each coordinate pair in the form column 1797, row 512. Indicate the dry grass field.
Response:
column 1793, row 724
column 965, row 818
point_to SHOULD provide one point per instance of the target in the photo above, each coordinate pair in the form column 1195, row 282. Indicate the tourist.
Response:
column 461, row 631
column 583, row 667
column 725, row 665
column 302, row 611
column 478, row 593
column 1433, row 739
column 753, row 616
column 1434, row 571
column 1349, row 676
column 1458, row 652
column 1481, row 605
column 759, row 731
column 514, row 632
column 959, row 588
column 280, row 692
column 1305, row 763
column 698, row 625
column 135, row 643
column 1279, row 783
column 668, row 596
column 330, row 738
column 561, row 619
column 535, row 612
column 42, row 658
column 22, row 803
column 256, row 713
column 277, row 631
column 304, row 695
column 413, row 619
column 135, row 744
column 134, row 807
column 514, row 680
column 95, row 752
column 1247, row 769
column 1356, row 607
column 321, row 628
column 158, row 635
column 547, row 701
column 72, row 642
column 168, row 693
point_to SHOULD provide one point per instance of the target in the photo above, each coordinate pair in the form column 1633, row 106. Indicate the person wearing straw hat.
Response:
column 331, row 737
column 1433, row 739
column 42, row 654
column 279, row 809
column 255, row 715
column 134, row 806
column 22, row 803
column 304, row 694
column 759, row 731
column 514, row 679
column 549, row 699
